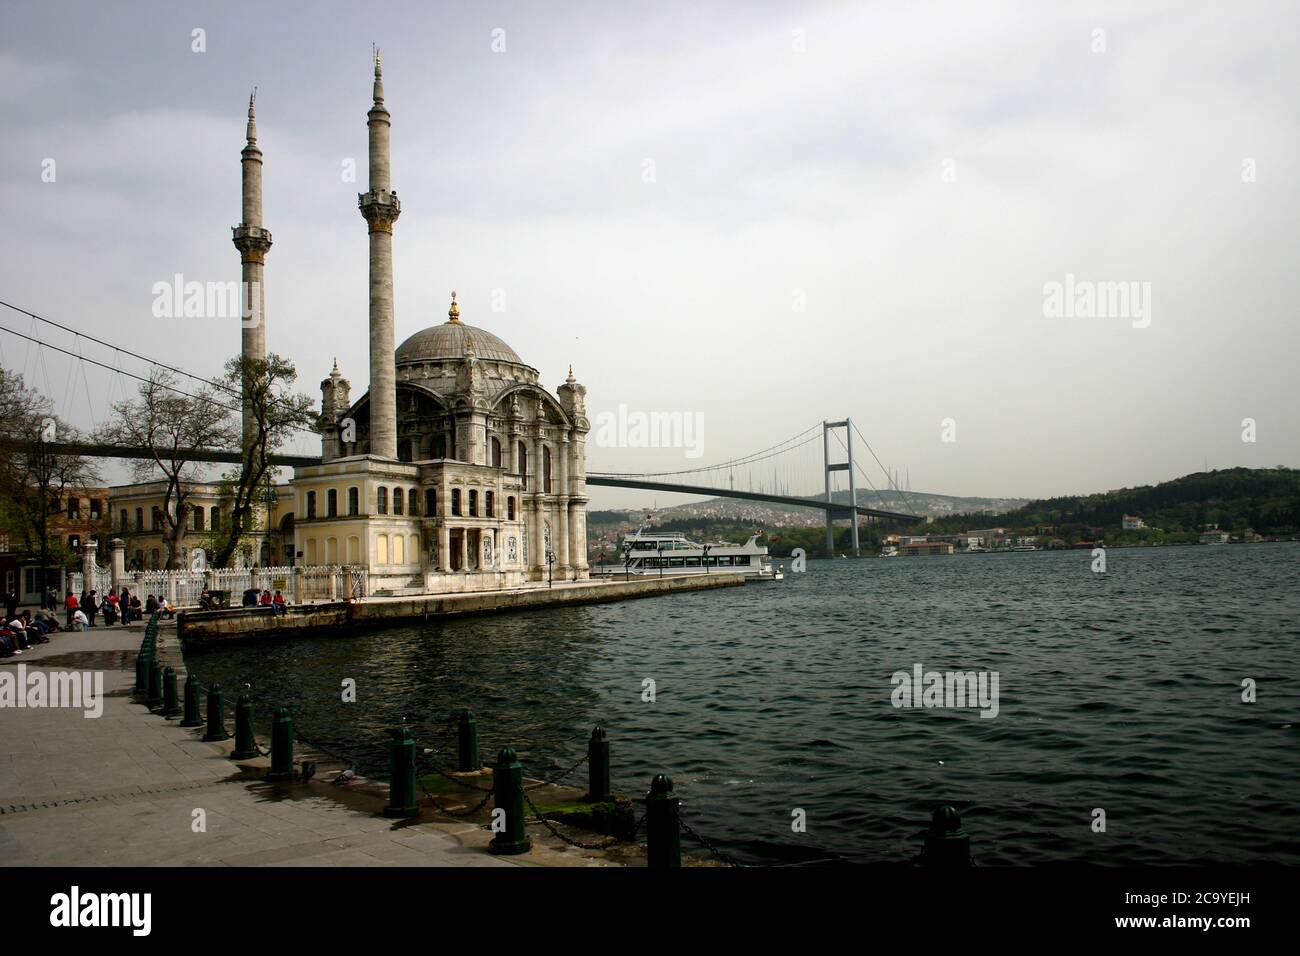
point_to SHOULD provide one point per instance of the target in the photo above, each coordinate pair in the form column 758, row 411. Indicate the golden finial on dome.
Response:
column 453, row 314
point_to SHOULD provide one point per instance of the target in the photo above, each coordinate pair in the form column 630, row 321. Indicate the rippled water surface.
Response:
column 1119, row 690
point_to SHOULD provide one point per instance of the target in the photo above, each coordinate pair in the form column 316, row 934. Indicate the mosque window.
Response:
column 523, row 462
column 397, row 503
column 332, row 503
column 124, row 519
column 198, row 518
column 139, row 519
column 546, row 470
column 354, row 500
column 496, row 453
column 215, row 519
column 431, row 502
column 311, row 504
column 455, row 502
column 473, row 503
column 510, row 507
column 74, row 508
column 381, row 505
column 487, row 504
column 412, row 503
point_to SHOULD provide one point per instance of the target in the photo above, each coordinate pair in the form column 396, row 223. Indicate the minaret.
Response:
column 380, row 208
column 253, row 242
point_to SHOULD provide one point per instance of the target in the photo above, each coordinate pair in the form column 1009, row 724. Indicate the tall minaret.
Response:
column 380, row 208
column 252, row 241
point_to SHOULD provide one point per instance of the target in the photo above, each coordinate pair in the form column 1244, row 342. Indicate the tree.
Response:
column 35, row 479
column 170, row 424
column 276, row 413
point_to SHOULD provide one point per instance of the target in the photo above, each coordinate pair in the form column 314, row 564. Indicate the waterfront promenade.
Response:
column 123, row 789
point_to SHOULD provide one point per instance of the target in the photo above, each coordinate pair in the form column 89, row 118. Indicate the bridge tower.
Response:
column 253, row 242
column 849, row 466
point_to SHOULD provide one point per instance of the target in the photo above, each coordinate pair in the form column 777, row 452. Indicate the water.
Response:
column 1119, row 691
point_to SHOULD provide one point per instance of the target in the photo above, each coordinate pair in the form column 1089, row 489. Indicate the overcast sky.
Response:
column 911, row 175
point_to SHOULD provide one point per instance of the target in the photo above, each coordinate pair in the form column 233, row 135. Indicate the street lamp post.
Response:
column 661, row 562
column 550, row 560
column 705, row 557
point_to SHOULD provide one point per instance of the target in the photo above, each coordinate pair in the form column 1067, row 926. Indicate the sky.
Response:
column 759, row 215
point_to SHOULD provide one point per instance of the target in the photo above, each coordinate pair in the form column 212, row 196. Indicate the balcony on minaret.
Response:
column 251, row 241
column 380, row 208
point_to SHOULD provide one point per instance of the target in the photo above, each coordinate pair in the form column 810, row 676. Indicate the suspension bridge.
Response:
column 801, row 471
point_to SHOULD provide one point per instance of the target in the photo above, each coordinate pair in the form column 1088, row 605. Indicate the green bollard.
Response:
column 663, row 838
column 155, row 685
column 245, row 745
column 946, row 843
column 508, row 796
column 467, row 728
column 142, row 661
column 171, row 699
column 191, row 718
column 281, row 746
column 598, row 767
column 401, row 785
column 216, row 715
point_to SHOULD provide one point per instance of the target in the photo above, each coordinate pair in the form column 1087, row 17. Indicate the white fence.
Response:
column 183, row 587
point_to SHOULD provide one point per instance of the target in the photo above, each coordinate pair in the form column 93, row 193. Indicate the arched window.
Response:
column 155, row 560
column 522, row 453
column 311, row 504
column 381, row 506
column 399, row 549
column 74, row 508
column 74, row 542
column 331, row 550
column 215, row 515
column 354, row 549
column 139, row 520
column 412, row 503
column 473, row 503
column 431, row 502
column 198, row 517
column 155, row 518
column 487, row 504
column 510, row 507
column 546, row 470
column 311, row 552
column 455, row 502
column 332, row 503
column 439, row 446
column 381, row 549
column 123, row 519
column 397, row 503
column 496, row 453
column 354, row 501
column 139, row 560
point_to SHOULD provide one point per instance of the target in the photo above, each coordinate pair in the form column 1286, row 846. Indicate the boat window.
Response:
column 742, row 559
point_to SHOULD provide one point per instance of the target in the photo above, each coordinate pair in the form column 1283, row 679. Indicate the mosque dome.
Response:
column 448, row 341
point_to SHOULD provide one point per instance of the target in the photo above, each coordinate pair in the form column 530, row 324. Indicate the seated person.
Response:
column 48, row 619
column 165, row 607
column 250, row 597
column 137, row 609
column 79, row 619
column 20, row 632
column 278, row 603
column 205, row 601
column 151, row 605
column 266, row 599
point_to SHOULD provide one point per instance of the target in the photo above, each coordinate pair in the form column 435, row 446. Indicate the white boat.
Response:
column 889, row 551
column 671, row 552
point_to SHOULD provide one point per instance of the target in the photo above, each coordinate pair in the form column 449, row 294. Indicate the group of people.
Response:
column 18, row 632
column 275, row 602
column 124, row 608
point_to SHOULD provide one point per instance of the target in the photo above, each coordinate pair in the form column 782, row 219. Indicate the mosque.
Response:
column 457, row 470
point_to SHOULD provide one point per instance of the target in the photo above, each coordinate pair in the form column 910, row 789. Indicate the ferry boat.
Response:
column 889, row 551
column 671, row 552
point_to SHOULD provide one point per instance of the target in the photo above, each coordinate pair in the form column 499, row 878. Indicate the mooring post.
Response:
column 245, row 745
column 171, row 699
column 281, row 746
column 191, row 718
column 598, row 766
column 142, row 662
column 401, row 785
column 216, row 715
column 946, row 843
column 508, row 797
column 663, row 838
column 155, row 685
column 467, row 751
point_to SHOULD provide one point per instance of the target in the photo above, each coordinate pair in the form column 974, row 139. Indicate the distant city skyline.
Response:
column 1032, row 252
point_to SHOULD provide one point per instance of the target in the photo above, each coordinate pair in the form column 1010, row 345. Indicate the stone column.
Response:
column 88, row 564
column 299, row 591
column 444, row 548
column 562, row 532
column 117, row 550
